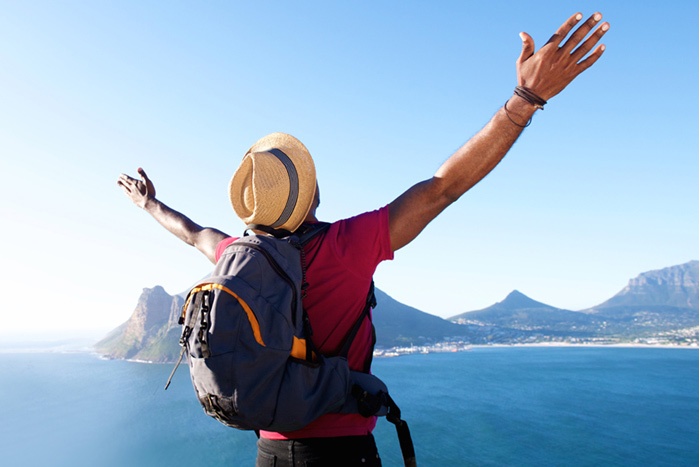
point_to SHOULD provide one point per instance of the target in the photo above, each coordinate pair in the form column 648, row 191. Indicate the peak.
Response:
column 516, row 294
column 517, row 299
column 154, row 291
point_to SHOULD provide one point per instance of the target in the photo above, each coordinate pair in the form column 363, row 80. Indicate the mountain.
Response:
column 397, row 324
column 151, row 333
column 656, row 306
column 675, row 286
column 517, row 311
column 656, row 301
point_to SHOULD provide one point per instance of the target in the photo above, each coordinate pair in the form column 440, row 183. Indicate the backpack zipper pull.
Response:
column 172, row 373
column 183, row 343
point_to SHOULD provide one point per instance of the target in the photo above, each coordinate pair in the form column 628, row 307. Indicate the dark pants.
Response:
column 319, row 452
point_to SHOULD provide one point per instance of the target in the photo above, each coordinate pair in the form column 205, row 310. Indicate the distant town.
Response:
column 679, row 338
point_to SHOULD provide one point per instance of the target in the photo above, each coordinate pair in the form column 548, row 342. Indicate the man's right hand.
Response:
column 545, row 72
column 549, row 70
column 139, row 191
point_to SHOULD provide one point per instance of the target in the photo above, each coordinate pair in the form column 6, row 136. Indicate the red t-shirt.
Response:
column 340, row 265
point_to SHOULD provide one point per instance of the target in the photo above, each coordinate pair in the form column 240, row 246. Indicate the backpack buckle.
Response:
column 368, row 404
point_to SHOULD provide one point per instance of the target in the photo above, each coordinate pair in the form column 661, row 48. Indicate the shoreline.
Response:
column 564, row 344
column 423, row 350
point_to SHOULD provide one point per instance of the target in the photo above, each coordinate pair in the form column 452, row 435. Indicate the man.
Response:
column 341, row 262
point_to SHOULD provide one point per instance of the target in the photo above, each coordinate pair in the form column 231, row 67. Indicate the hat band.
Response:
column 293, row 186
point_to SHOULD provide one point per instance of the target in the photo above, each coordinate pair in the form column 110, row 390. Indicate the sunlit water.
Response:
column 485, row 407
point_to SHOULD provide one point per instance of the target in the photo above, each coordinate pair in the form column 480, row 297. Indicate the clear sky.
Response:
column 601, row 187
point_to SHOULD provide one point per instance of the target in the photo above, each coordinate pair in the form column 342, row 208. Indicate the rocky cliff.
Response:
column 151, row 333
column 675, row 286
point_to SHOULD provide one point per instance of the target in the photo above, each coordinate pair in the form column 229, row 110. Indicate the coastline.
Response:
column 564, row 344
column 441, row 348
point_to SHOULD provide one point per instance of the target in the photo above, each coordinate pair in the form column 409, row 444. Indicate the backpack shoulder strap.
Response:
column 308, row 231
column 277, row 233
column 370, row 302
column 304, row 233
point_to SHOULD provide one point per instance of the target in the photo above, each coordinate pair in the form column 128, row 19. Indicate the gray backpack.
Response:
column 247, row 340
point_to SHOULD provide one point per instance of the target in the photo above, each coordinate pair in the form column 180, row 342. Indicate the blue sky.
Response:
column 601, row 187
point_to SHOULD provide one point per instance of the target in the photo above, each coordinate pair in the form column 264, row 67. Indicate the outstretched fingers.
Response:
column 124, row 183
column 592, row 58
column 581, row 32
column 590, row 43
column 564, row 29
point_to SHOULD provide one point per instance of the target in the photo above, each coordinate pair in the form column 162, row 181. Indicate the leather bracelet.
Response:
column 505, row 108
column 529, row 96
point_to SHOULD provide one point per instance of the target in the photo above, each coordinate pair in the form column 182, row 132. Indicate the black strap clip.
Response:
column 368, row 404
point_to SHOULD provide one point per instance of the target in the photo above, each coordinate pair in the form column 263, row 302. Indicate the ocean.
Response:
column 510, row 406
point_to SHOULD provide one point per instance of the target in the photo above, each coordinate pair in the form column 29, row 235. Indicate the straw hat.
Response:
column 275, row 184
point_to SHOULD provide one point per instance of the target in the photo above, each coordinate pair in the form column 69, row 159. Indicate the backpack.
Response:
column 247, row 340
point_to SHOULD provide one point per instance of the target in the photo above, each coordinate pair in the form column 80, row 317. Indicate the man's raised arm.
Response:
column 143, row 194
column 541, row 76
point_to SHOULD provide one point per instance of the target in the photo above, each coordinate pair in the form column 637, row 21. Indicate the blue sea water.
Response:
column 485, row 407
